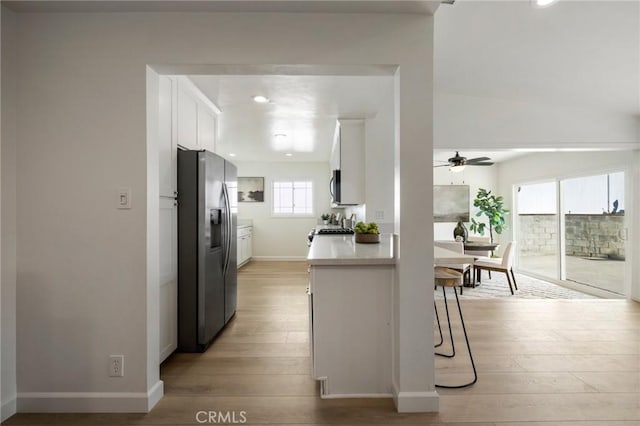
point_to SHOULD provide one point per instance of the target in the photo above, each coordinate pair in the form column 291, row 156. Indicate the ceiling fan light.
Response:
column 457, row 169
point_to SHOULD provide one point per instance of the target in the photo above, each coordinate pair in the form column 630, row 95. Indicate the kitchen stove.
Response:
column 335, row 231
column 327, row 231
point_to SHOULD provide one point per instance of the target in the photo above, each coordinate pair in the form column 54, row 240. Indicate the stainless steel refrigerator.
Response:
column 207, row 254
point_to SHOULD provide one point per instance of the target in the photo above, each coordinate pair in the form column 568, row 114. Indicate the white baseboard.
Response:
column 415, row 402
column 167, row 350
column 9, row 408
column 357, row 395
column 90, row 402
column 155, row 394
column 279, row 258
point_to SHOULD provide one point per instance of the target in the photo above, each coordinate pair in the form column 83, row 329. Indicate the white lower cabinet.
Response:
column 350, row 326
column 245, row 244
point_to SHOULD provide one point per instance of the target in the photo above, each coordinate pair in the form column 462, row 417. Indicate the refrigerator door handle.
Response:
column 227, row 243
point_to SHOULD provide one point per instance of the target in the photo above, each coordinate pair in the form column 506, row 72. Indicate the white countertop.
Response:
column 343, row 250
column 245, row 226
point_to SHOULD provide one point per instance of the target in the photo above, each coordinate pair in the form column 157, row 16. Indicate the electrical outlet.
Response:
column 379, row 214
column 116, row 366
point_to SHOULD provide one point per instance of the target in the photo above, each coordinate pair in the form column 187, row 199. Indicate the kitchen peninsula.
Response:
column 350, row 297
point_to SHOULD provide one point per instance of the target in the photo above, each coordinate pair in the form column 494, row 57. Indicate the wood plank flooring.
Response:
column 540, row 363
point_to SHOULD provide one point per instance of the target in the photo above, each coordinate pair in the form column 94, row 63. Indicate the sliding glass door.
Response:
column 538, row 226
column 574, row 230
column 594, row 231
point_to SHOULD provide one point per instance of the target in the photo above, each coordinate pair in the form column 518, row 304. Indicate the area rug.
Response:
column 528, row 288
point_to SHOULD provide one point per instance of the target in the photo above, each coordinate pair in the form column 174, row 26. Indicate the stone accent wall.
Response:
column 594, row 235
column 586, row 235
column 538, row 234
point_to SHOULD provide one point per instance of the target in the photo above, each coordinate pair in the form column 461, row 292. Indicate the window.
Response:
column 292, row 198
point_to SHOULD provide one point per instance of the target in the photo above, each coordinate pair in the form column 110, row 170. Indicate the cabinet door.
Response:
column 334, row 160
column 166, row 138
column 239, row 250
column 244, row 248
column 187, row 119
column 352, row 166
column 168, row 267
column 249, row 252
column 206, row 128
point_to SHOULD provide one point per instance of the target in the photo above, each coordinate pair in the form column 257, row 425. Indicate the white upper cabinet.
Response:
column 196, row 117
column 206, row 128
column 352, row 160
column 334, row 161
column 167, row 137
column 187, row 118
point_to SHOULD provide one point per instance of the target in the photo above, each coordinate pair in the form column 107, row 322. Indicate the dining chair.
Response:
column 479, row 254
column 446, row 277
column 503, row 264
column 458, row 247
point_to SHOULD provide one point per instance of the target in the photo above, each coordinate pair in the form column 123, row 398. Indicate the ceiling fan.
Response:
column 457, row 163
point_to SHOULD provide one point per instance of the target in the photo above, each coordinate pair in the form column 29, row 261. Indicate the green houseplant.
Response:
column 367, row 233
column 492, row 207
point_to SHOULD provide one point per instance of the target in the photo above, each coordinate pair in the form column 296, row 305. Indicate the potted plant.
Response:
column 367, row 233
column 492, row 207
column 325, row 217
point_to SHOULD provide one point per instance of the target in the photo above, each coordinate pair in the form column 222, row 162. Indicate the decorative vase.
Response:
column 460, row 231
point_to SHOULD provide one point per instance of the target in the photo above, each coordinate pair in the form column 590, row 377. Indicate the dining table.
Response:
column 480, row 246
column 442, row 256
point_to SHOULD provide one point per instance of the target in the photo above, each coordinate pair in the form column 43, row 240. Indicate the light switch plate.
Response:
column 124, row 198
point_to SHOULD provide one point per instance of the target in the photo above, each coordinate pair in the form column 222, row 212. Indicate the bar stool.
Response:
column 445, row 277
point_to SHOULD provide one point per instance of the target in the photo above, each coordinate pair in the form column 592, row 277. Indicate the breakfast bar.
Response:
column 350, row 288
column 350, row 313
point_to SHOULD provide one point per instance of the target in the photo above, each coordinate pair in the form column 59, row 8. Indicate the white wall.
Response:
column 543, row 166
column 283, row 238
column 474, row 122
column 635, row 283
column 82, row 264
column 476, row 177
column 8, row 217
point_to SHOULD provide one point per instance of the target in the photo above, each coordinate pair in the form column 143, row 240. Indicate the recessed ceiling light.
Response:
column 543, row 3
column 232, row 154
column 280, row 135
column 288, row 154
column 261, row 99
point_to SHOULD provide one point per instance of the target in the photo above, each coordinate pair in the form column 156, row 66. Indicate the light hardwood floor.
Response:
column 540, row 362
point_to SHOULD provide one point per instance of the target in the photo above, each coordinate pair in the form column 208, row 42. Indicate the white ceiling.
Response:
column 577, row 53
column 298, row 6
column 304, row 108
column 574, row 53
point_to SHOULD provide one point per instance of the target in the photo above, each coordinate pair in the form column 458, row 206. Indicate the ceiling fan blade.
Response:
column 473, row 160
column 480, row 164
column 443, row 165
